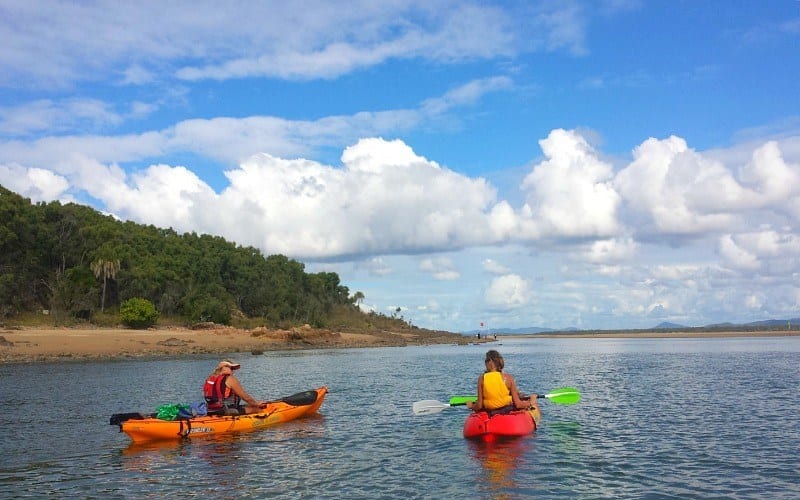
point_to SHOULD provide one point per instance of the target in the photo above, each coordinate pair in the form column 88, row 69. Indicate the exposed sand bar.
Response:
column 51, row 344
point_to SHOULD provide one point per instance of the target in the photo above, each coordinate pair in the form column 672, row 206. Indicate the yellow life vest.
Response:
column 495, row 392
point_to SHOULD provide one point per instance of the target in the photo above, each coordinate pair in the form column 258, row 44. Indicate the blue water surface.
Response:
column 692, row 418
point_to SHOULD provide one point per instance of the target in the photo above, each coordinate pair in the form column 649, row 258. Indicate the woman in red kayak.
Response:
column 497, row 391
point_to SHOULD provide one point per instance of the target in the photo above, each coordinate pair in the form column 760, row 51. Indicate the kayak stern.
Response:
column 480, row 425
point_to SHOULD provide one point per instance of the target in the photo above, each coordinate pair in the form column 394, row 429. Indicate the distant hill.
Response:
column 776, row 322
column 666, row 325
column 764, row 323
column 768, row 323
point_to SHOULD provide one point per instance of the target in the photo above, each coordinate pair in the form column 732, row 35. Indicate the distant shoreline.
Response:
column 652, row 334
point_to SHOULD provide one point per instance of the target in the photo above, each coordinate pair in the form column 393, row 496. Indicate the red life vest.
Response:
column 217, row 394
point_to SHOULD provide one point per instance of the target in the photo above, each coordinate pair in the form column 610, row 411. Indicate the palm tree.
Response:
column 105, row 269
column 358, row 297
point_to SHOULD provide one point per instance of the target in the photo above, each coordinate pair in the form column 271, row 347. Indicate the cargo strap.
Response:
column 181, row 431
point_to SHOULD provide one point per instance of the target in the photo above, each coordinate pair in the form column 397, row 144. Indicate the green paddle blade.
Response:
column 564, row 396
column 462, row 400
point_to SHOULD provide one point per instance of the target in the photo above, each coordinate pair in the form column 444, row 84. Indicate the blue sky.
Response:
column 591, row 164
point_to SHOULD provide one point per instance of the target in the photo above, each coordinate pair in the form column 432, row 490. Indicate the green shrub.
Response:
column 138, row 313
column 202, row 307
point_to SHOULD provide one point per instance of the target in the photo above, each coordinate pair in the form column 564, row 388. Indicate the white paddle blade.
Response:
column 428, row 406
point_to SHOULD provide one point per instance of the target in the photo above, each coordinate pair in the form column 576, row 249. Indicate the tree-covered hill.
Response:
column 73, row 262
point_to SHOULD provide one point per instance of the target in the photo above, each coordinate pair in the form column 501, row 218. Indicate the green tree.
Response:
column 72, row 293
column 207, row 304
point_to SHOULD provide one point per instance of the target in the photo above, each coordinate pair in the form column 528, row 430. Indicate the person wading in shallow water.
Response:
column 223, row 392
column 497, row 391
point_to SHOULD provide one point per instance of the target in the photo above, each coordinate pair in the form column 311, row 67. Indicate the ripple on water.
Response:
column 657, row 419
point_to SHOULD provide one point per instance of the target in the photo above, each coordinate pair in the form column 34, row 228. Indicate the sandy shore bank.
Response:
column 64, row 344
column 51, row 344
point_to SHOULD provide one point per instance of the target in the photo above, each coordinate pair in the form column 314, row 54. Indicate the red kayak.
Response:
column 480, row 425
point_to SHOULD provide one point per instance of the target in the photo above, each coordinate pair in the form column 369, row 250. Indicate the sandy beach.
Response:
column 63, row 344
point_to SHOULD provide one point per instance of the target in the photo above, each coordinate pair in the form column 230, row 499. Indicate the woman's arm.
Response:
column 234, row 384
column 512, row 387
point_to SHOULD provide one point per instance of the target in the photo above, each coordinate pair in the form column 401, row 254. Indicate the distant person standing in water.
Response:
column 497, row 391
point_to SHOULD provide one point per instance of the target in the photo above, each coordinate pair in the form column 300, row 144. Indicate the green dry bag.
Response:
column 169, row 411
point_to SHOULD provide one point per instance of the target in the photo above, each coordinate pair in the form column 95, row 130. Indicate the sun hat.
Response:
column 229, row 364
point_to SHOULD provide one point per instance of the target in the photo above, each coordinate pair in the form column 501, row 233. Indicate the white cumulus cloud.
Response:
column 610, row 251
column 570, row 194
column 385, row 198
column 506, row 292
column 441, row 268
column 678, row 190
column 494, row 267
column 34, row 183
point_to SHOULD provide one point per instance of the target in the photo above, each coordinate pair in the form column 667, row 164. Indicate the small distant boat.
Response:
column 142, row 428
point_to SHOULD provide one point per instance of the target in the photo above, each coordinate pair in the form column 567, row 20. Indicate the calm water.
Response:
column 673, row 418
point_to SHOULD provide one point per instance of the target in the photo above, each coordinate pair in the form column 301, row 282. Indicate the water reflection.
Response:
column 216, row 452
column 500, row 460
column 309, row 426
column 213, row 455
column 154, row 448
column 565, row 436
column 208, row 463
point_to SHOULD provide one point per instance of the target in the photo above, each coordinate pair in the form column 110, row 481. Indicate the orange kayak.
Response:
column 142, row 428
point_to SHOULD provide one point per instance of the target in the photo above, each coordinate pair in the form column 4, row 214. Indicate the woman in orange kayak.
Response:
column 224, row 393
column 497, row 391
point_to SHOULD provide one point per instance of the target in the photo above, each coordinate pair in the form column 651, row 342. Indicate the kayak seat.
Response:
column 227, row 412
column 505, row 410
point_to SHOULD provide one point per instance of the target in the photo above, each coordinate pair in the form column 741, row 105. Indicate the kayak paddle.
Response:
column 562, row 396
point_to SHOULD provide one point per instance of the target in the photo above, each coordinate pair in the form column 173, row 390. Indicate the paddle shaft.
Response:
column 563, row 395
column 456, row 401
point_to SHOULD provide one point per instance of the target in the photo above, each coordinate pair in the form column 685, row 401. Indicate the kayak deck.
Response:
column 141, row 428
column 480, row 425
